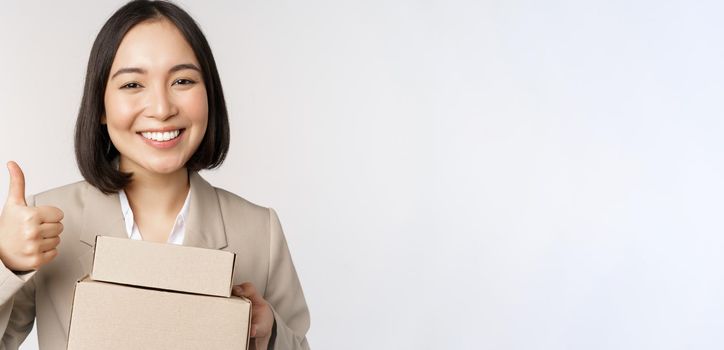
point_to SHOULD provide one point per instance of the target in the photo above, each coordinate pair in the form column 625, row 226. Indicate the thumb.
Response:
column 17, row 184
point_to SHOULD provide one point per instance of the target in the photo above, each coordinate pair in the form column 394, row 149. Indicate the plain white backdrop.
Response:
column 449, row 174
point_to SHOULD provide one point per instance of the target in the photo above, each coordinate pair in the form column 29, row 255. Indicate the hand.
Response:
column 28, row 236
column 262, row 317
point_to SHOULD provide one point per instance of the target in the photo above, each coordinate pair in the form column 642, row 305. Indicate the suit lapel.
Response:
column 205, row 226
column 102, row 216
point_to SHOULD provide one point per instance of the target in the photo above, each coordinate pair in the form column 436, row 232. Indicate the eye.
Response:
column 183, row 82
column 131, row 86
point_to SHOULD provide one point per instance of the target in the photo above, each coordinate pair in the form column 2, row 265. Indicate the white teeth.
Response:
column 161, row 136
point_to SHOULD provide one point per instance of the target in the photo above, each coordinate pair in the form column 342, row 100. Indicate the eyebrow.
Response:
column 173, row 69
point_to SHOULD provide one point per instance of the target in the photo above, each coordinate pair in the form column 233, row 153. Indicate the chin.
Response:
column 165, row 168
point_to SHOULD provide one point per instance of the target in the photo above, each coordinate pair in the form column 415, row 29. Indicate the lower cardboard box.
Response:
column 113, row 316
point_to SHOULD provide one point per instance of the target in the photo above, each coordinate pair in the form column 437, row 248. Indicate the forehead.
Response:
column 155, row 44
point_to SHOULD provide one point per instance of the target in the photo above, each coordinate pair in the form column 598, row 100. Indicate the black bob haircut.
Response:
column 94, row 150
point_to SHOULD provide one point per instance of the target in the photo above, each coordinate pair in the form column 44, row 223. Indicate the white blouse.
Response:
column 177, row 232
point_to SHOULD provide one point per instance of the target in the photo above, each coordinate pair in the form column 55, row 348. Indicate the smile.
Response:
column 161, row 136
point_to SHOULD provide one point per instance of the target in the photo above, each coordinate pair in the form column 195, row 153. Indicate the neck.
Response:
column 163, row 194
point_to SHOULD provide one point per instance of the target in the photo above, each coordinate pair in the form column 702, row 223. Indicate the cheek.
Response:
column 197, row 109
column 119, row 112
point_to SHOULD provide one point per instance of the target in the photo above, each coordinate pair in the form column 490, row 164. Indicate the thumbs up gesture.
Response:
column 28, row 235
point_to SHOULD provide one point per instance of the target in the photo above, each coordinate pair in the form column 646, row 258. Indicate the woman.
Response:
column 152, row 115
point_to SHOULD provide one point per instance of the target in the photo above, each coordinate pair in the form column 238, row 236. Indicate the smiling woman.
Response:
column 152, row 115
column 156, row 92
column 154, row 63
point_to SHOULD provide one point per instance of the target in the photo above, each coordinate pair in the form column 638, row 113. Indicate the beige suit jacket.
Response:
column 217, row 219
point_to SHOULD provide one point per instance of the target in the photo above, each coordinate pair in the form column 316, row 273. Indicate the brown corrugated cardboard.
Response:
column 163, row 266
column 111, row 316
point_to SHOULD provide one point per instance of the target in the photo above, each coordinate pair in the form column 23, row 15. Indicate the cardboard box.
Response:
column 113, row 314
column 163, row 266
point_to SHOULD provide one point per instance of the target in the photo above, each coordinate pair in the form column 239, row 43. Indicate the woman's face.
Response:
column 155, row 100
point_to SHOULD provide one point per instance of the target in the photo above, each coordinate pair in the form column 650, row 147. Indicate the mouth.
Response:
column 161, row 136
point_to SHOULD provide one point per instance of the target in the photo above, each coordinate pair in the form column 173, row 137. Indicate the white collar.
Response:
column 177, row 232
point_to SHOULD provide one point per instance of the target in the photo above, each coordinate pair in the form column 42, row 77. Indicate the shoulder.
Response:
column 238, row 212
column 232, row 202
column 69, row 194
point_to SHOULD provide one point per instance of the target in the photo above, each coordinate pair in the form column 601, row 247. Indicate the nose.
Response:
column 160, row 104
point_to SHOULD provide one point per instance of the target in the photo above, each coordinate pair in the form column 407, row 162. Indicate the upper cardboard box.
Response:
column 163, row 266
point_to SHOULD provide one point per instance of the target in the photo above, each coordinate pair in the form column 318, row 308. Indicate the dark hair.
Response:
column 94, row 150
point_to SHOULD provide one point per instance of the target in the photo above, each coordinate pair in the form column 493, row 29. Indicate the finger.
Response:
column 49, row 243
column 47, row 256
column 17, row 184
column 247, row 290
column 48, row 214
column 237, row 291
column 50, row 230
column 252, row 333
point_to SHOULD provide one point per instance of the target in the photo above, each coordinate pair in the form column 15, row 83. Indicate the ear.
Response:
column 103, row 119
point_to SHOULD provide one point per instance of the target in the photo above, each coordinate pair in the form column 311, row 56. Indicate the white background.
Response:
column 449, row 174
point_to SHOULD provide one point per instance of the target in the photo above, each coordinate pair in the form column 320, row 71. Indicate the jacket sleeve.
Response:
column 17, row 307
column 284, row 293
column 17, row 304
